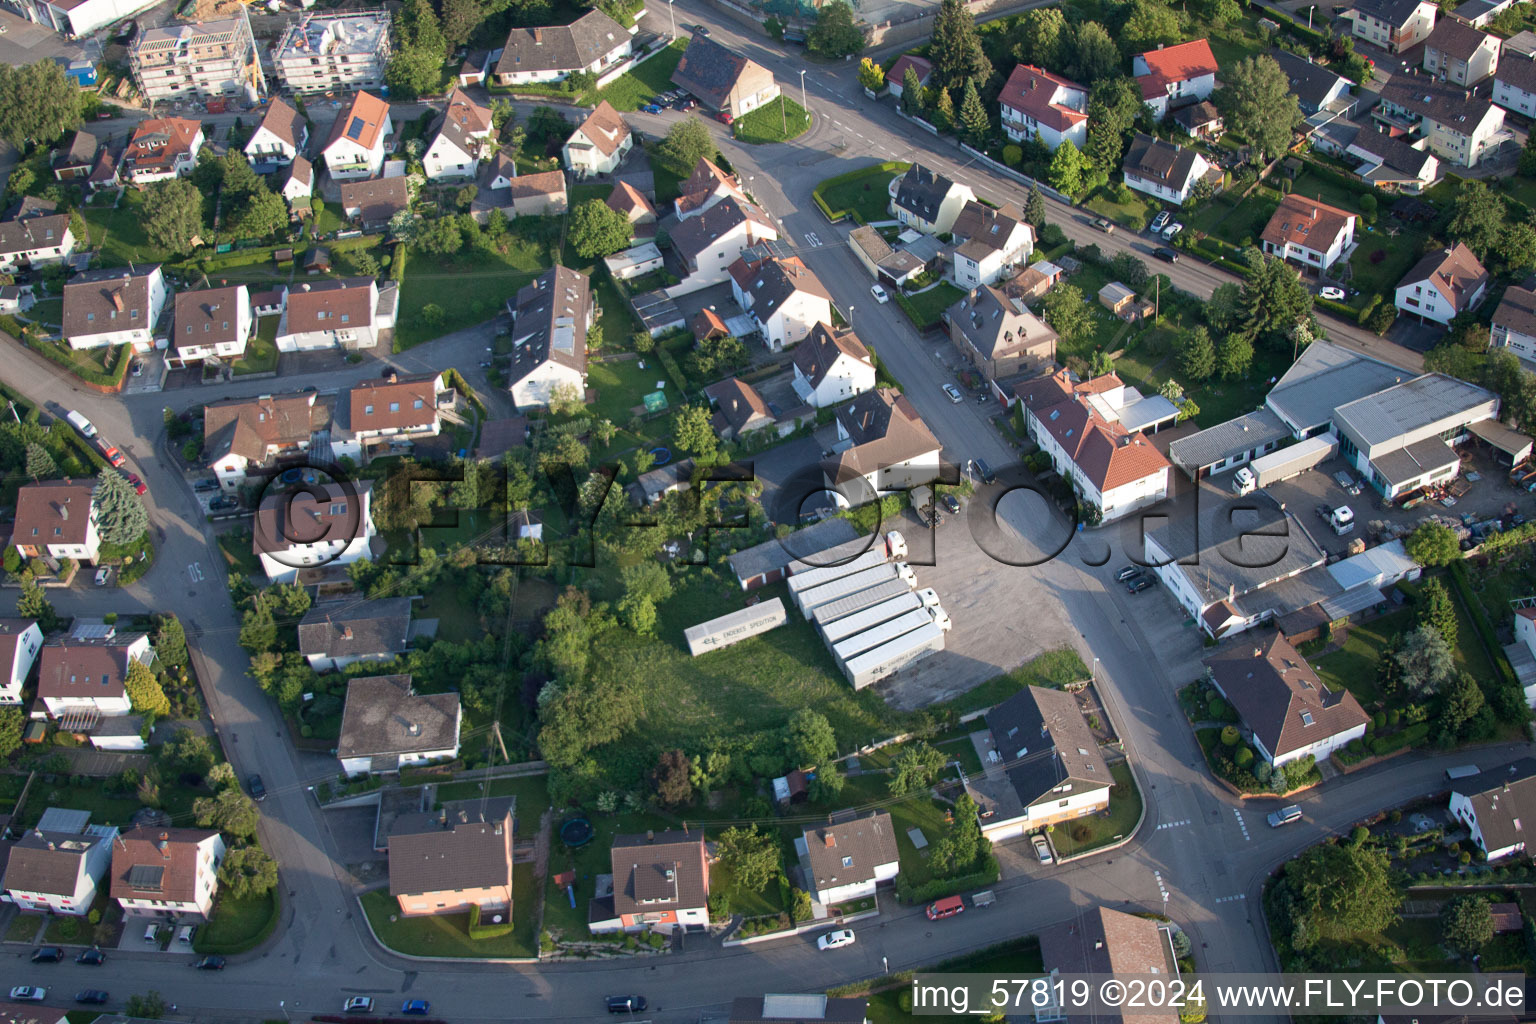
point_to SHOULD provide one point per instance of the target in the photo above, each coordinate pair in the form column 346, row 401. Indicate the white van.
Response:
column 185, row 935
column 151, row 933
column 80, row 423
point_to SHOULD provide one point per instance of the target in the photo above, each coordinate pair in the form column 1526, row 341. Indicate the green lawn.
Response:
column 119, row 232
column 467, row 287
column 1353, row 666
column 866, row 196
column 779, row 121
column 237, row 925
column 667, row 179
column 1379, row 276
column 65, row 929
column 1071, row 838
column 744, row 901
column 47, row 311
column 1135, row 212
column 924, row 308
column 235, row 545
column 331, row 218
column 532, row 792
column 105, row 808
column 1050, row 670
column 1018, row 957
column 447, row 935
column 621, row 384
column 261, row 351
column 23, row 927
column 587, row 862
column 634, row 89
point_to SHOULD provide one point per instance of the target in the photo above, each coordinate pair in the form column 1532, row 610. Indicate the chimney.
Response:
column 63, row 508
column 51, row 847
column 393, row 378
column 413, row 728
column 538, row 37
column 117, row 299
column 650, row 835
column 463, row 817
column 831, row 840
column 1099, row 943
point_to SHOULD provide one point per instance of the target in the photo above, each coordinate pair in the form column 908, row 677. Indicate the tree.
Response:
column 974, row 123
column 1527, row 167
column 33, row 603
column 1224, row 309
column 687, row 142
column 692, row 432
column 416, row 67
column 1034, row 208
column 911, row 91
column 962, row 847
column 40, row 465
column 671, row 778
column 1463, row 702
column 1516, row 247
column 189, row 752
column 120, row 513
column 1432, row 544
column 172, row 215
column 1067, row 169
column 1066, row 311
column 800, row 905
column 264, row 213
column 1424, row 662
column 1043, row 38
column 1197, row 355
column 715, row 356
column 230, row 811
column 220, row 776
column 836, row 33
column 597, row 230
column 751, row 855
column 809, row 740
column 12, row 725
column 247, row 871
column 38, row 104
column 144, row 692
column 1095, row 55
column 871, row 75
column 1234, row 356
column 1478, row 217
column 1338, row 890
column 1274, row 299
column 827, row 787
column 915, row 768
column 150, row 1006
column 1466, row 924
column 956, row 52
column 1436, row 610
column 1112, row 108
column 239, row 179
column 440, row 236
column 1129, row 270
column 943, row 110
column 1152, row 24
column 1257, row 102
column 460, row 19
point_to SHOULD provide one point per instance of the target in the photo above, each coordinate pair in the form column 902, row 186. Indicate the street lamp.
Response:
column 673, row 14
column 885, row 965
column 802, row 89
column 850, row 314
column 282, row 1004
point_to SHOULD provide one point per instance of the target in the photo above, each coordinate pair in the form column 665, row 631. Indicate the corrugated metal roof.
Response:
column 1411, row 405
column 1224, row 440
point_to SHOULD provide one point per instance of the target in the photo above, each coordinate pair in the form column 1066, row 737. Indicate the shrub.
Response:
column 1013, row 155
column 1217, row 708
column 1229, row 736
column 1379, row 719
column 1244, row 757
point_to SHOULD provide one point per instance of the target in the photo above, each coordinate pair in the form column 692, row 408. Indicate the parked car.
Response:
column 953, row 393
column 1130, row 572
column 1137, row 584
column 206, row 485
column 1171, row 231
column 879, row 293
column 358, row 1004
column 91, row 995
column 112, row 454
column 651, row 108
column 835, row 940
column 984, row 471
column 258, row 791
column 102, row 576
column 28, row 994
column 209, row 963
column 139, row 486
column 47, row 955
column 137, row 369
column 1166, row 255
column 1336, row 294
column 949, row 906
column 222, row 502
column 1161, row 221
column 1284, row 816
column 91, row 958
column 1106, row 226
column 416, row 1007
column 725, row 118
column 152, row 932
column 1043, row 850
column 626, row 1004
column 951, row 504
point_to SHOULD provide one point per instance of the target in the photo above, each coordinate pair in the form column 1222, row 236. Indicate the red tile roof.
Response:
column 157, row 143
column 1032, row 91
column 173, row 849
column 1306, row 222
column 362, row 121
column 604, row 128
column 1175, row 64
column 1108, row 455
column 922, row 65
column 52, row 512
column 630, row 201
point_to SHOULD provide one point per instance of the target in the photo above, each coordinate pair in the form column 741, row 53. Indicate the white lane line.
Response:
column 1242, row 824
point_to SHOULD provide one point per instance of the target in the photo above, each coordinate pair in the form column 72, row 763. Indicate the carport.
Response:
column 658, row 312
column 1510, row 444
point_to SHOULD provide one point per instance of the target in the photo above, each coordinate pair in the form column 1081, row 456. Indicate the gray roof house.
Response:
column 336, row 634
column 550, row 319
column 385, row 726
column 1324, row 377
column 794, row 1008
column 551, row 52
column 1496, row 807
column 848, row 858
column 1315, row 87
column 926, row 200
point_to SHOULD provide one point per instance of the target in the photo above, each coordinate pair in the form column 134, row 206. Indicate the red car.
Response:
column 138, row 485
column 113, row 456
column 725, row 118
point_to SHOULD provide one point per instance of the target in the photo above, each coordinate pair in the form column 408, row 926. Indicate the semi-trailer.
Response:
column 850, row 625
column 873, row 666
column 878, row 636
column 819, row 569
column 809, row 600
column 735, row 627
column 843, row 607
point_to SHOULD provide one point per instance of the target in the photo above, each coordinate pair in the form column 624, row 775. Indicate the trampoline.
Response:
column 292, row 476
column 576, row 832
column 661, row 455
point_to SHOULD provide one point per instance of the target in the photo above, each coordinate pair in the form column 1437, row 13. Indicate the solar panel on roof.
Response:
column 146, row 877
column 355, row 129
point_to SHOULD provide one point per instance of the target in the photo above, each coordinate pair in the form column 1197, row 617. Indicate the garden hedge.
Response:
column 942, row 887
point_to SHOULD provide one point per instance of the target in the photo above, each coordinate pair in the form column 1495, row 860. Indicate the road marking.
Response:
column 1173, row 824
column 1160, row 886
column 812, row 239
column 1231, row 899
column 195, row 572
column 1242, row 824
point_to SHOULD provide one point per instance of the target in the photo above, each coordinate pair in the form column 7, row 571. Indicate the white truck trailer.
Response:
column 809, row 600
column 873, row 666
column 851, row 647
column 843, row 607
column 735, row 627
column 806, row 573
column 850, row 625
column 1295, row 460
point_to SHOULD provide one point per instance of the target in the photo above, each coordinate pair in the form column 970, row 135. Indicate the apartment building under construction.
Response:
column 334, row 52
column 198, row 61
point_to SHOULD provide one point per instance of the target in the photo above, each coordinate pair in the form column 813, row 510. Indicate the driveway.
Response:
column 791, row 474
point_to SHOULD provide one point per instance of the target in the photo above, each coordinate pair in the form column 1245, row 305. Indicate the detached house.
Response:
column 1164, row 170
column 705, row 187
column 1310, row 233
column 896, row 81
column 1458, row 53
column 633, row 204
column 74, row 161
column 1315, row 87
column 989, row 243
column 303, row 529
column 459, row 136
column 57, row 866
column 20, row 641
column 212, row 323
column 392, row 408
column 240, row 434
column 335, row 634
column 164, row 872
column 162, row 148
column 386, row 726
column 349, row 312
column 1514, row 325
column 56, row 519
column 927, row 201
column 1498, row 809
column 550, row 53
column 1038, row 104
column 710, row 242
column 360, row 136
column 600, row 144
column 660, row 881
column 832, row 366
column 1286, row 708
column 34, row 237
column 461, row 864
column 848, row 859
column 1042, row 765
column 999, row 335
column 527, row 195
column 299, row 185
column 1393, row 25
column 88, row 676
column 882, row 445
column 282, row 136
column 550, row 320
column 1442, row 284
column 114, row 307
column 782, row 297
column 1110, row 942
column 1514, row 84
column 1173, row 76
column 722, row 80
column 372, row 202
column 739, row 409
column 1462, row 127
